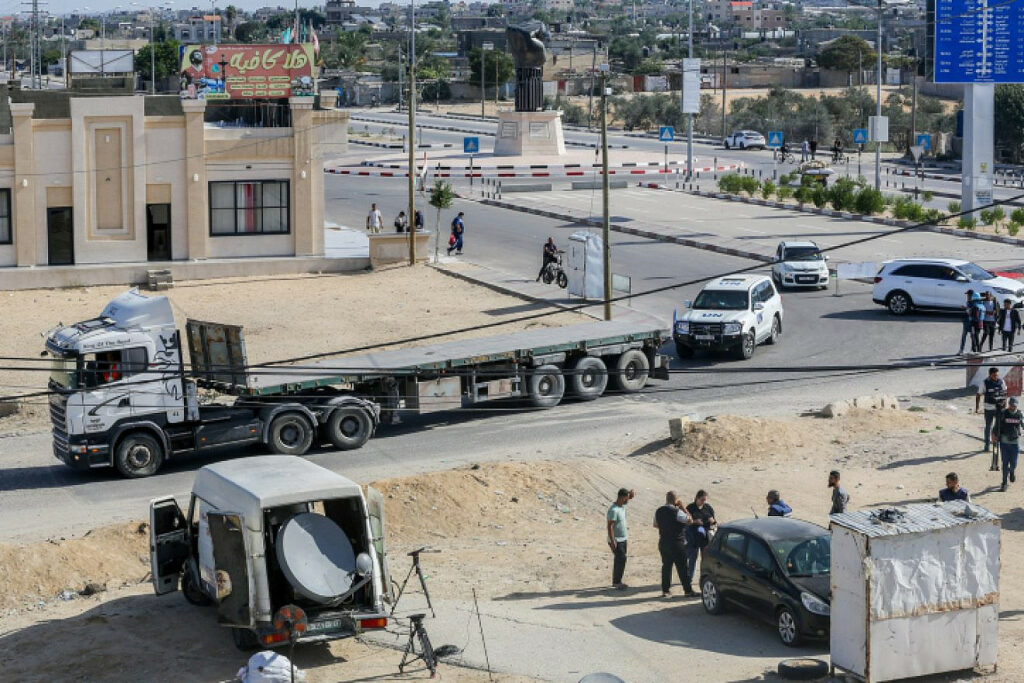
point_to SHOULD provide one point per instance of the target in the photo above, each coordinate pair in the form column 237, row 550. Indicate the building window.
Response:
column 5, row 216
column 249, row 208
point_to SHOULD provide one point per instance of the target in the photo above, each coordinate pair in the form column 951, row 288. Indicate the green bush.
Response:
column 843, row 194
column 768, row 189
column 998, row 214
column 749, row 184
column 785, row 179
column 987, row 217
column 729, row 183
column 819, row 195
column 953, row 207
column 802, row 194
column 785, row 192
column 869, row 201
column 967, row 223
column 933, row 216
column 1017, row 216
column 1013, row 227
column 927, row 196
column 906, row 209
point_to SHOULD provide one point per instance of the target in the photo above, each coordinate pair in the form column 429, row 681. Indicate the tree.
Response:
column 231, row 13
column 167, row 63
column 506, row 67
column 441, row 198
column 1009, row 117
column 434, row 68
column 846, row 53
column 251, row 32
column 347, row 49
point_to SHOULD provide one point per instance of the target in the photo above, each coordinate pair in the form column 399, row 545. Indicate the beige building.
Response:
column 97, row 180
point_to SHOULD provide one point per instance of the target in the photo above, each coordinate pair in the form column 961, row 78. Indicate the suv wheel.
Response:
column 745, row 350
column 899, row 302
column 773, row 336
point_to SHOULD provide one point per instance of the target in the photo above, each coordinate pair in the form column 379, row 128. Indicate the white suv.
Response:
column 800, row 264
column 745, row 139
column 902, row 285
column 734, row 313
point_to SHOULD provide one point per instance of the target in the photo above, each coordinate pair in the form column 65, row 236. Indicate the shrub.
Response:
column 998, row 214
column 785, row 192
column 729, row 183
column 1013, row 227
column 967, row 223
column 953, row 207
column 768, row 189
column 1017, row 216
column 934, row 216
column 869, row 201
column 819, row 195
column 987, row 217
column 785, row 179
column 802, row 194
column 905, row 208
column 749, row 184
column 843, row 194
column 927, row 196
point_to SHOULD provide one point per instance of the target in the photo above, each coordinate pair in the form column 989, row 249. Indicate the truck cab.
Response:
column 275, row 531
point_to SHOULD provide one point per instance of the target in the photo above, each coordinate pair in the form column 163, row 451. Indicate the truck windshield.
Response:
column 64, row 372
column 802, row 254
column 721, row 300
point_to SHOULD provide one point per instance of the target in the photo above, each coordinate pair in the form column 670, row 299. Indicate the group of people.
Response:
column 1003, row 420
column 375, row 221
column 983, row 316
column 684, row 530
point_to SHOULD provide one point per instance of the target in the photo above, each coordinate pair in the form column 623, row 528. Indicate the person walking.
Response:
column 550, row 255
column 1008, row 322
column 617, row 535
column 965, row 333
column 988, row 321
column 418, row 222
column 671, row 521
column 776, row 506
column 698, row 534
column 458, row 230
column 374, row 220
column 1008, row 433
column 840, row 498
column 401, row 222
column 953, row 490
column 993, row 389
column 814, row 149
column 804, row 151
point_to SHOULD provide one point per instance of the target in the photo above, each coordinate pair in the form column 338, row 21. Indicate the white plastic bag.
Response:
column 269, row 667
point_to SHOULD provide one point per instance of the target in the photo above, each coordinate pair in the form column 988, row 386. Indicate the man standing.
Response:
column 804, row 154
column 617, row 535
column 966, row 331
column 1008, row 431
column 698, row 534
column 374, row 221
column 993, row 388
column 840, row 498
column 953, row 490
column 1008, row 323
column 671, row 521
column 988, row 321
column 814, row 149
column 458, row 229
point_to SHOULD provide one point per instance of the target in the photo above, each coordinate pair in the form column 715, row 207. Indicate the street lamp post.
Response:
column 484, row 49
column 412, row 133
column 878, row 104
column 152, row 53
column 689, row 117
column 605, row 213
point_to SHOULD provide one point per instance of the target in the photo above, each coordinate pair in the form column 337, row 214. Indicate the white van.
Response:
column 269, row 531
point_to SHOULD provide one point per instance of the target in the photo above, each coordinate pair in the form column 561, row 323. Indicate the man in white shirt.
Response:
column 374, row 220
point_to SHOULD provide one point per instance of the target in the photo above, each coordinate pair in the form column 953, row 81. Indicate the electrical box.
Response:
column 585, row 265
column 878, row 128
column 915, row 590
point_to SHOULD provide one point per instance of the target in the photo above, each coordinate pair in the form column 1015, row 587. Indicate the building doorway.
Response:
column 158, row 232
column 60, row 236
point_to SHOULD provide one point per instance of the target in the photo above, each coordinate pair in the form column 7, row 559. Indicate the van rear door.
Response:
column 375, row 511
column 230, row 568
column 168, row 544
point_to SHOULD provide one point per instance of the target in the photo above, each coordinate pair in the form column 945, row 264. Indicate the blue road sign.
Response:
column 860, row 136
column 924, row 140
column 977, row 41
column 775, row 138
column 471, row 145
column 666, row 133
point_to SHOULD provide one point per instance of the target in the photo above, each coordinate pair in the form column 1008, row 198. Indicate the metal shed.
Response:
column 915, row 590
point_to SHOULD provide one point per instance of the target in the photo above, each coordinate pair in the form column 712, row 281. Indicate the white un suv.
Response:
column 734, row 313
column 902, row 285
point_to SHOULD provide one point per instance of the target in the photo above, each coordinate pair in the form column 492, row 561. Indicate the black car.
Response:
column 777, row 569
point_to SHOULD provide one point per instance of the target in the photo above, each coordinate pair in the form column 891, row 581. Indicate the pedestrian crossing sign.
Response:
column 924, row 140
column 860, row 136
column 471, row 145
column 775, row 138
column 667, row 134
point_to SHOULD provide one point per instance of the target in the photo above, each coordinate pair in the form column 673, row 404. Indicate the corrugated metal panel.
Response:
column 915, row 518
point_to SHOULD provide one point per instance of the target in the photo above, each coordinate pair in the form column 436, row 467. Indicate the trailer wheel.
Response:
column 546, row 386
column 589, row 378
column 348, row 428
column 631, row 371
column 138, row 455
column 290, row 434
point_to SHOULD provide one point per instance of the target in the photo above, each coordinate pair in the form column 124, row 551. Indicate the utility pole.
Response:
column 590, row 104
column 412, row 133
column 878, row 104
column 152, row 52
column 725, row 87
column 484, row 49
column 399, row 78
column 605, row 222
column 689, row 117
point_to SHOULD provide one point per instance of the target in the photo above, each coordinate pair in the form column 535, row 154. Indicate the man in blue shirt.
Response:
column 458, row 229
column 776, row 506
column 953, row 490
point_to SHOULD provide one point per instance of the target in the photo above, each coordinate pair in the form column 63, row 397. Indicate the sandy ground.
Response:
column 528, row 536
column 345, row 311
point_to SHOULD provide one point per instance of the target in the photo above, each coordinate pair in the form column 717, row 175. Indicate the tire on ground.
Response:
column 138, row 455
column 348, row 428
column 803, row 669
column 589, row 378
column 545, row 386
column 631, row 371
column 290, row 433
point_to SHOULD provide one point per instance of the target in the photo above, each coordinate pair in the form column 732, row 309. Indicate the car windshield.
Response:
column 64, row 372
column 721, row 300
column 802, row 254
column 974, row 272
column 804, row 556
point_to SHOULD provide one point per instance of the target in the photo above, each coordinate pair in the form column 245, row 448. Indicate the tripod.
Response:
column 418, row 633
column 415, row 555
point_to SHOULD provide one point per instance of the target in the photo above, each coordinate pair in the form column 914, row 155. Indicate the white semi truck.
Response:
column 122, row 395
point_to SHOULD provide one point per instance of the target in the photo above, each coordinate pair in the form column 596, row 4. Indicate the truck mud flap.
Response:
column 659, row 367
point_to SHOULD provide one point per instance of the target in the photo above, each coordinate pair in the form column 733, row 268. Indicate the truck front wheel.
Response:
column 348, row 428
column 138, row 455
column 290, row 434
column 546, row 386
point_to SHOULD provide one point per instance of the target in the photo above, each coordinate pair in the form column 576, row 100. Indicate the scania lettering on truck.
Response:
column 122, row 395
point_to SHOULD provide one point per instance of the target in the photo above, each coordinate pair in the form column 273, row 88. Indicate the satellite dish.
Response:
column 601, row 677
column 316, row 557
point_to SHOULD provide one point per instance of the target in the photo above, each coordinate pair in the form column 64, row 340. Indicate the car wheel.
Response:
column 773, row 337
column 899, row 302
column 745, row 350
column 743, row 145
column 727, row 144
column 710, row 597
column 788, row 627
column 684, row 351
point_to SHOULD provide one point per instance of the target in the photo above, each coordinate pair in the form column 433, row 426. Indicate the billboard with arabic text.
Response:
column 233, row 72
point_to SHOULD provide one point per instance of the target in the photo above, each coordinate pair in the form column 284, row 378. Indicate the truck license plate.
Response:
column 704, row 337
column 329, row 625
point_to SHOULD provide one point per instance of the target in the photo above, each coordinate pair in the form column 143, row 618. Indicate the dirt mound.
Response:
column 111, row 555
column 729, row 438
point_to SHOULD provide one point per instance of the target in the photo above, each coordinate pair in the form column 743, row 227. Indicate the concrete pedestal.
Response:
column 529, row 132
column 393, row 247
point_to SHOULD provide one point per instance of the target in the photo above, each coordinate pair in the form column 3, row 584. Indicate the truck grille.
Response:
column 706, row 328
column 58, row 416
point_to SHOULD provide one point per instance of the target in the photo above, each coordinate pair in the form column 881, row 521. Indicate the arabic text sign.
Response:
column 978, row 41
column 225, row 72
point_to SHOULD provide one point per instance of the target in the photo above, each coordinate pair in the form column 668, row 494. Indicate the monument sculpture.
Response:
column 529, row 129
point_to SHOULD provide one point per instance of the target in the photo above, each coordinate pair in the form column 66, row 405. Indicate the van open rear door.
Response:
column 168, row 544
column 375, row 511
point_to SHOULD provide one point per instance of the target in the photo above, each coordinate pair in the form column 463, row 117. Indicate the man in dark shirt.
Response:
column 953, row 490
column 1007, row 431
column 671, row 521
column 550, row 254
column 698, row 533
